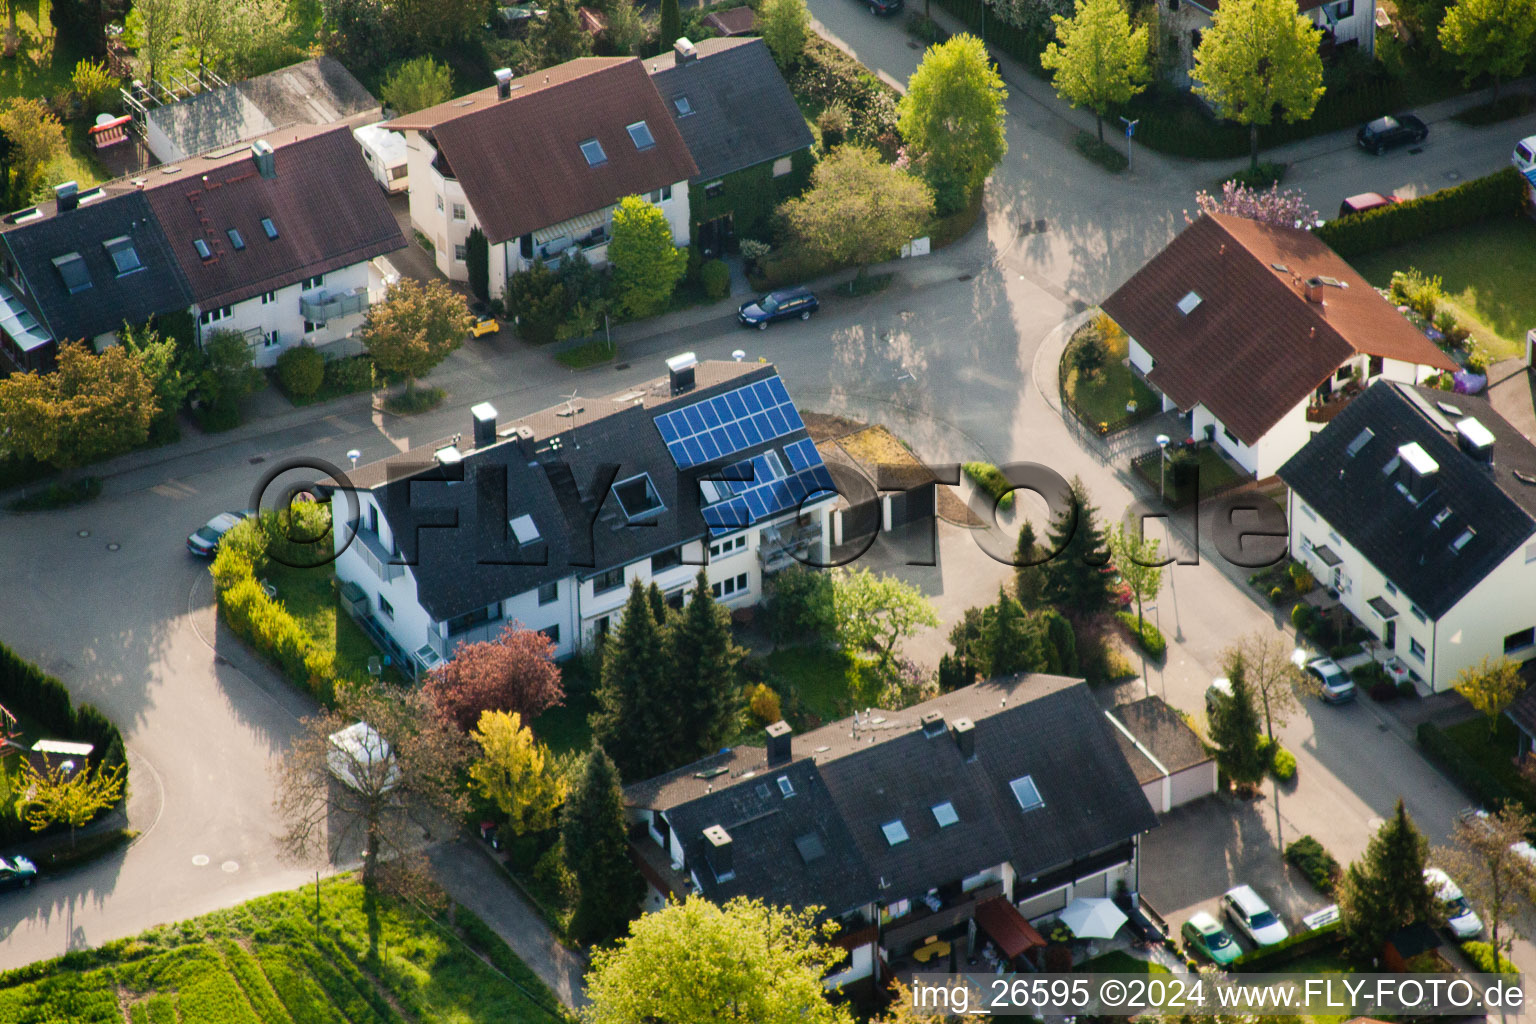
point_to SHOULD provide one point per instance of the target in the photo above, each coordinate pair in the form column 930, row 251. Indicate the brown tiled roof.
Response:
column 328, row 211
column 732, row 22
column 519, row 160
column 1254, row 347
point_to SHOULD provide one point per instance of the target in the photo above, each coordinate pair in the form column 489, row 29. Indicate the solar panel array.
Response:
column 720, row 427
column 763, row 500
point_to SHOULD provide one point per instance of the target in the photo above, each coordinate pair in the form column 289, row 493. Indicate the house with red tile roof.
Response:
column 538, row 164
column 1260, row 334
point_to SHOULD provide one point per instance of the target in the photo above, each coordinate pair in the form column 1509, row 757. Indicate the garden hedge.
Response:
column 1150, row 638
column 30, row 691
column 266, row 625
column 989, row 478
column 1463, row 769
column 1271, row 958
column 1308, row 856
column 1501, row 194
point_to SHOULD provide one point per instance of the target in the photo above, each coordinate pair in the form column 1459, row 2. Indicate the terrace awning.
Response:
column 1007, row 927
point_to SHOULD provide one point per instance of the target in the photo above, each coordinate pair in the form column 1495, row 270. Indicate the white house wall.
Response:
column 1504, row 603
column 282, row 321
column 428, row 191
column 408, row 622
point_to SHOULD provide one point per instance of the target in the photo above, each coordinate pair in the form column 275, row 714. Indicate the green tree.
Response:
column 255, row 37
column 425, row 23
column 1028, row 568
column 554, row 38
column 1136, row 557
column 96, row 86
column 70, row 797
column 874, row 613
column 416, row 84
column 224, row 373
column 1073, row 581
column 671, row 27
column 631, row 717
column 1491, row 686
column 706, row 674
column 952, row 115
column 1385, row 889
column 647, row 264
column 161, row 362
column 1493, row 37
column 1492, row 871
column 152, row 30
column 35, row 137
column 477, row 261
column 202, row 27
column 785, row 25
column 91, row 408
column 1060, row 643
column 800, row 605
column 415, row 328
column 1235, row 730
column 1259, row 56
column 697, row 962
column 1276, row 680
column 858, row 210
column 658, row 602
column 516, row 772
column 596, row 849
column 626, row 27
column 1098, row 60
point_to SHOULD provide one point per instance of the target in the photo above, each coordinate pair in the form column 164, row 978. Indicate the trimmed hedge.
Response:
column 1150, row 638
column 1308, row 856
column 1460, row 766
column 990, row 479
column 1498, row 195
column 1481, row 955
column 1271, row 958
column 301, row 371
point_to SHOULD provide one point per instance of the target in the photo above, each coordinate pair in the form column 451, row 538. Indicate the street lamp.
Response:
column 354, row 455
column 1130, row 130
column 1162, row 466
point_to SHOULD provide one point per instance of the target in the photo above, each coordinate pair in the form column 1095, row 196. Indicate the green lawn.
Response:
column 39, row 68
column 1486, row 270
column 1493, row 753
column 588, row 354
column 818, row 683
column 565, row 728
column 309, row 598
column 264, row 963
column 1215, row 474
column 1103, row 397
column 1118, row 961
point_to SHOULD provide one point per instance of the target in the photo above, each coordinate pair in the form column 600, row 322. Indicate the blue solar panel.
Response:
column 695, row 451
column 750, row 400
column 737, row 435
column 776, row 388
column 799, row 457
column 664, row 425
column 711, row 416
column 738, row 407
column 718, row 427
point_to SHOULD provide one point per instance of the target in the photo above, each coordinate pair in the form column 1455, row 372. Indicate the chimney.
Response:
column 683, row 51
column 680, row 372
column 717, row 850
column 780, row 742
column 1314, row 290
column 503, row 83
column 1416, row 472
column 965, row 737
column 524, row 436
column 933, row 724
column 1476, row 440
column 66, row 196
column 484, row 416
column 266, row 161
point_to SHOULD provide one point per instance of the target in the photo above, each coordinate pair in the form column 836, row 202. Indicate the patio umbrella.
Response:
column 1093, row 918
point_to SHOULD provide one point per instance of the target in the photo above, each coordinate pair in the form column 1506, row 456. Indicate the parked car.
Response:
column 1524, row 156
column 779, row 305
column 1336, row 685
column 1252, row 916
column 485, row 323
column 1363, row 202
column 1386, row 133
column 883, row 6
column 1205, row 934
column 1460, row 918
column 1219, row 690
column 16, row 872
column 205, row 542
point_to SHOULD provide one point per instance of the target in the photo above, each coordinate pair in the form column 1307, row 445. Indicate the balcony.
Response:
column 778, row 548
column 1323, row 408
column 904, row 932
column 385, row 564
column 324, row 306
column 445, row 646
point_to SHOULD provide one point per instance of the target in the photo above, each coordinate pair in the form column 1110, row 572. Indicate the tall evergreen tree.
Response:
column 1012, row 640
column 1060, row 644
column 597, row 851
column 630, row 696
column 705, row 676
column 1385, row 889
column 1028, row 580
column 1073, row 582
column 671, row 25
column 1236, row 729
column 658, row 602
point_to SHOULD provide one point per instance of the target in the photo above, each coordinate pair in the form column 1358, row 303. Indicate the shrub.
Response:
column 1150, row 638
column 715, row 276
column 1498, row 195
column 1277, row 595
column 827, row 75
column 1282, row 764
column 1478, row 360
column 346, row 376
column 1301, row 615
column 1407, row 689
column 301, row 371
column 764, row 704
column 1301, row 577
column 268, row 627
column 95, row 85
column 1489, row 790
column 1451, row 328
column 800, row 605
column 1383, row 691
column 1308, row 856
column 1089, row 354
column 833, row 124
column 1481, row 955
column 990, row 479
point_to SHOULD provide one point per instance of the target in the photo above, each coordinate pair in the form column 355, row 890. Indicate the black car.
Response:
column 1386, row 133
column 779, row 305
column 883, row 6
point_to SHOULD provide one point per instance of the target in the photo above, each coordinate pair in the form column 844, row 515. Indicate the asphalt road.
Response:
column 947, row 356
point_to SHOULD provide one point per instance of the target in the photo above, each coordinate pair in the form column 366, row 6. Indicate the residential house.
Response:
column 1418, row 507
column 279, row 241
column 744, row 130
column 1259, row 334
column 546, row 520
column 1168, row 757
column 1182, row 23
column 77, row 269
column 925, row 833
column 314, row 92
column 538, row 164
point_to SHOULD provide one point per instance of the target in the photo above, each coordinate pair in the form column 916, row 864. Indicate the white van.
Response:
column 1524, row 156
column 384, row 152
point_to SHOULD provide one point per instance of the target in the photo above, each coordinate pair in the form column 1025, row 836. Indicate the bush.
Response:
column 1282, row 764
column 1478, row 360
column 1302, row 616
column 715, row 276
column 300, row 371
column 1301, row 577
column 800, row 605
column 1308, row 856
column 764, row 703
column 1463, row 768
column 1261, row 178
column 1451, row 328
column 926, row 29
column 1277, row 595
column 96, row 86
column 833, row 123
column 1150, row 638
column 268, row 627
column 1481, row 955
column 1498, row 195
column 1102, row 153
column 346, row 376
column 826, row 75
column 1383, row 692
column 989, row 478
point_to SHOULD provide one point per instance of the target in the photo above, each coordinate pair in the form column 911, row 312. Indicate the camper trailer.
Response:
column 384, row 152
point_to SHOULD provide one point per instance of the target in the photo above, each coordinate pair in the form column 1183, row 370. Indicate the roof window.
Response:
column 640, row 135
column 593, row 151
column 895, row 832
column 235, row 239
column 1188, row 303
column 1441, row 516
column 684, row 108
column 124, row 256
column 810, row 847
column 1462, row 540
column 637, row 497
column 73, row 272
column 1026, row 793
column 786, row 787
column 269, row 227
column 944, row 814
column 203, row 252
column 1361, row 440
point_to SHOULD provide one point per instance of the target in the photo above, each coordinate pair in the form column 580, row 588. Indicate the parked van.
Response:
column 1524, row 156
column 384, row 152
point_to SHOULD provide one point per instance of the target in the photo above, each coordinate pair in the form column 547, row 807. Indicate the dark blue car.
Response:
column 779, row 305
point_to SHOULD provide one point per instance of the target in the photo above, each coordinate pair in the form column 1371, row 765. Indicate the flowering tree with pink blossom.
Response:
column 1287, row 208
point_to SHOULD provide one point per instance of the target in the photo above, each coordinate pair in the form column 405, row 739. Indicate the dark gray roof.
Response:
column 1402, row 540
column 743, row 111
column 157, row 287
column 1162, row 732
column 859, row 778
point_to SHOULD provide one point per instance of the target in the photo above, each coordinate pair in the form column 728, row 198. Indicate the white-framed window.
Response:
column 713, row 189
column 640, row 135
column 267, row 298
column 439, row 204
column 549, row 592
column 553, row 632
column 311, row 283
column 458, row 211
column 310, row 327
column 460, row 253
column 213, row 316
column 385, row 608
column 660, row 195
column 273, row 339
column 1418, row 613
column 1306, row 510
column 725, row 547
column 782, row 166
column 1391, row 588
column 1416, row 649
column 603, row 582
column 894, row 909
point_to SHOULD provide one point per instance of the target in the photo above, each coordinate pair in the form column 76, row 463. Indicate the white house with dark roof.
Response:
column 1182, row 24
column 546, row 520
column 1418, row 507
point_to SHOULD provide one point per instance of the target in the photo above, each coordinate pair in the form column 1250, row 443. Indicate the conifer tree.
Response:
column 705, row 674
column 1011, row 639
column 1385, row 889
column 1236, row 729
column 1028, row 580
column 597, row 851
column 629, row 721
column 1073, row 582
column 658, row 603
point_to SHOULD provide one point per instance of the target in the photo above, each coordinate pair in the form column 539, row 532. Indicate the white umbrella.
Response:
column 1093, row 918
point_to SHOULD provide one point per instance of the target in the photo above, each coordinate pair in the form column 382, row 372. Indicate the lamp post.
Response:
column 354, row 455
column 1130, row 130
column 1162, row 466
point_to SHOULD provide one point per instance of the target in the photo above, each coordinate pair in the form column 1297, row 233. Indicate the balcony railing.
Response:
column 385, row 565
column 445, row 646
column 777, row 549
column 327, row 306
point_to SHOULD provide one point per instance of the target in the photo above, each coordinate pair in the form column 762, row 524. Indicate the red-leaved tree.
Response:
column 514, row 672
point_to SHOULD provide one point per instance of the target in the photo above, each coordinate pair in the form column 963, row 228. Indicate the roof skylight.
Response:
column 124, row 256
column 235, row 239
column 203, row 252
column 684, row 108
column 73, row 271
column 593, row 151
column 1026, row 793
column 269, row 227
column 640, row 135
column 944, row 814
column 1188, row 303
column 895, row 832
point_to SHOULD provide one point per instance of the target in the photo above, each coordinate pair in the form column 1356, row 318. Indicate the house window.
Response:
column 124, row 256
column 713, row 189
column 782, row 166
column 1344, row 373
column 602, row 625
column 1520, row 641
column 895, row 832
column 741, row 581
column 1418, row 613
column 786, row 788
column 269, row 228
column 268, row 298
column 895, row 909
column 668, row 559
column 273, row 339
column 660, row 195
column 725, row 547
column 385, row 608
column 549, row 592
column 311, row 283
column 469, row 620
column 676, row 598
column 1375, row 367
column 72, row 270
column 593, row 151
column 1306, row 510
column 683, row 107
column 1230, row 436
column 1344, row 9
column 460, row 253
column 603, row 582
column 213, row 316
column 236, row 239
column 553, row 632
column 1391, row 589
column 310, row 327
column 458, row 211
column 439, row 204
column 1416, row 649
column 640, row 135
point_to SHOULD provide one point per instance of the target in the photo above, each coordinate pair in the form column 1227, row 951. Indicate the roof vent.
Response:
column 484, row 416
column 780, row 742
column 680, row 372
column 683, row 51
column 265, row 159
column 66, row 196
column 933, row 724
column 1188, row 303
column 717, row 850
column 503, row 83
column 1475, row 439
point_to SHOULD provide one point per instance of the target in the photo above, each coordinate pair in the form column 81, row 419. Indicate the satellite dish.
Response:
column 738, row 355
